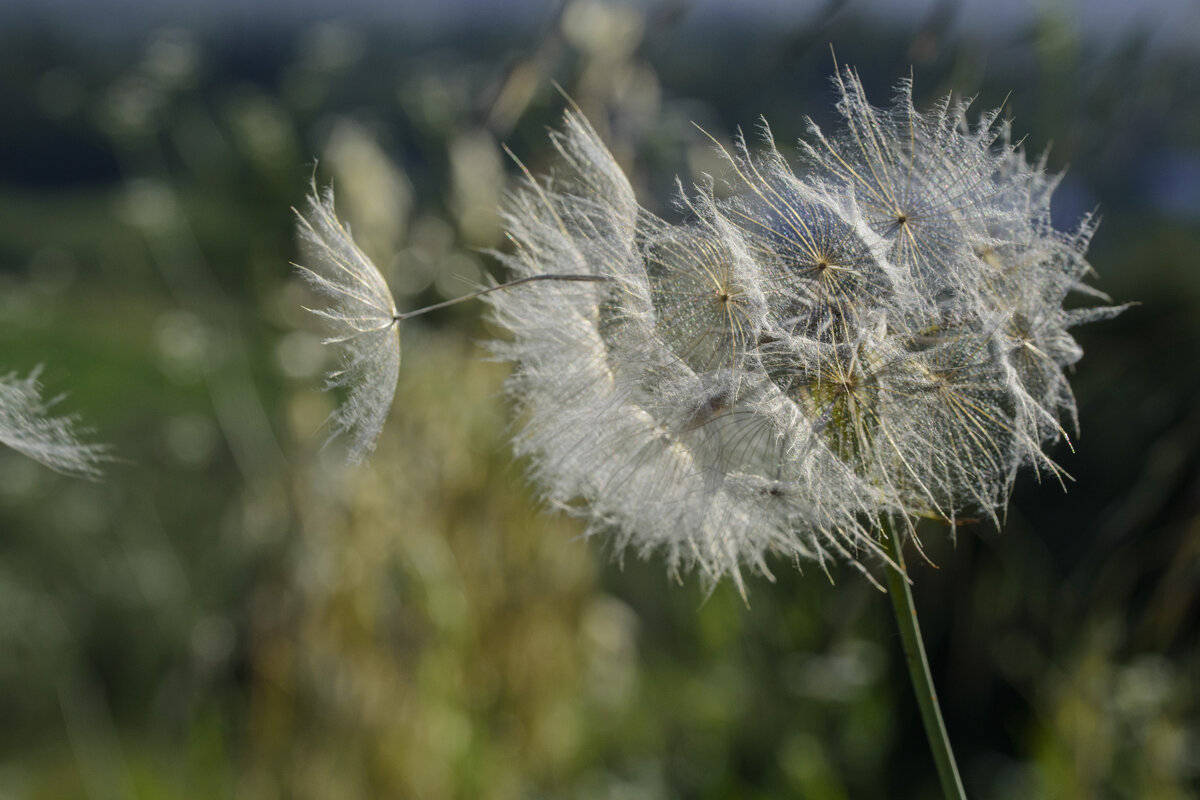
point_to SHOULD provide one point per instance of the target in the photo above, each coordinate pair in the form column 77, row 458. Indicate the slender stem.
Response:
column 527, row 279
column 918, row 670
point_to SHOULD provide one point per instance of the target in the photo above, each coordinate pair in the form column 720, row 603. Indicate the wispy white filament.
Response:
column 362, row 319
column 26, row 425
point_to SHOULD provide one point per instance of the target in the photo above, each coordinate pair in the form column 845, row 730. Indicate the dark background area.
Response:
column 230, row 612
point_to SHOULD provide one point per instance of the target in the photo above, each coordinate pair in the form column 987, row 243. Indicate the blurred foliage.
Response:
column 231, row 613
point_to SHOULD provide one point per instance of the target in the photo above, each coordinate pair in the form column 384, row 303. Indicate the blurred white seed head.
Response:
column 879, row 335
column 26, row 425
column 361, row 316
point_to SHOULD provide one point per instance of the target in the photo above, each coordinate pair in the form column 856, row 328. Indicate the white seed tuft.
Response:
column 362, row 319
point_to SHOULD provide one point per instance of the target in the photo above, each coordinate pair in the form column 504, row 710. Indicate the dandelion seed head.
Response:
column 879, row 334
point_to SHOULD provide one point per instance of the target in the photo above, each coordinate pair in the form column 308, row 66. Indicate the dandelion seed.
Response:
column 708, row 311
column 363, row 321
column 362, row 318
column 27, row 427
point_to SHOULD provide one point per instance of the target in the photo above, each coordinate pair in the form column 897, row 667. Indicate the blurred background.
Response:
column 231, row 613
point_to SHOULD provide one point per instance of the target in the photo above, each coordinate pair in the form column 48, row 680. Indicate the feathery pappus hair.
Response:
column 27, row 426
column 362, row 320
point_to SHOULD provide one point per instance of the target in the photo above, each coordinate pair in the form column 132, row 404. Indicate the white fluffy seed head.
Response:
column 880, row 335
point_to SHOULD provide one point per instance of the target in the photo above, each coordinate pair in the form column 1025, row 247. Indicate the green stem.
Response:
column 918, row 670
